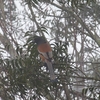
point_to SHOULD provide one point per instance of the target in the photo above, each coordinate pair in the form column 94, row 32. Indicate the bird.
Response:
column 45, row 52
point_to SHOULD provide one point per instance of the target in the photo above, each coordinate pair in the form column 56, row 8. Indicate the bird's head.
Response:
column 39, row 40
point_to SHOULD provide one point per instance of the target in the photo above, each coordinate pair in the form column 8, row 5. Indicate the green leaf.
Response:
column 91, row 89
column 36, row 1
column 84, row 91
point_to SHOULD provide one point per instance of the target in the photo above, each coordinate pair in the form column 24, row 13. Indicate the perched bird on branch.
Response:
column 45, row 52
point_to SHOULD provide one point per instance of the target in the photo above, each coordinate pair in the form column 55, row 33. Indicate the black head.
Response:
column 39, row 40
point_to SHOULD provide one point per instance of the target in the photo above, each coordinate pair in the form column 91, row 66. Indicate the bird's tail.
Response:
column 51, row 70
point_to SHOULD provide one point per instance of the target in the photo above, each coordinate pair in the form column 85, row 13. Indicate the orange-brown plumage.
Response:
column 44, row 47
column 42, row 57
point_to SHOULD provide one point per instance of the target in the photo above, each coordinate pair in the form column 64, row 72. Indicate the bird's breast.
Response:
column 44, row 47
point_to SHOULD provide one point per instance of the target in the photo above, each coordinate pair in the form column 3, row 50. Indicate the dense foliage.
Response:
column 71, row 27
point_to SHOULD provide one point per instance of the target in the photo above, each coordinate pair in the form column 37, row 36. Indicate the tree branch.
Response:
column 93, row 36
column 8, row 46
